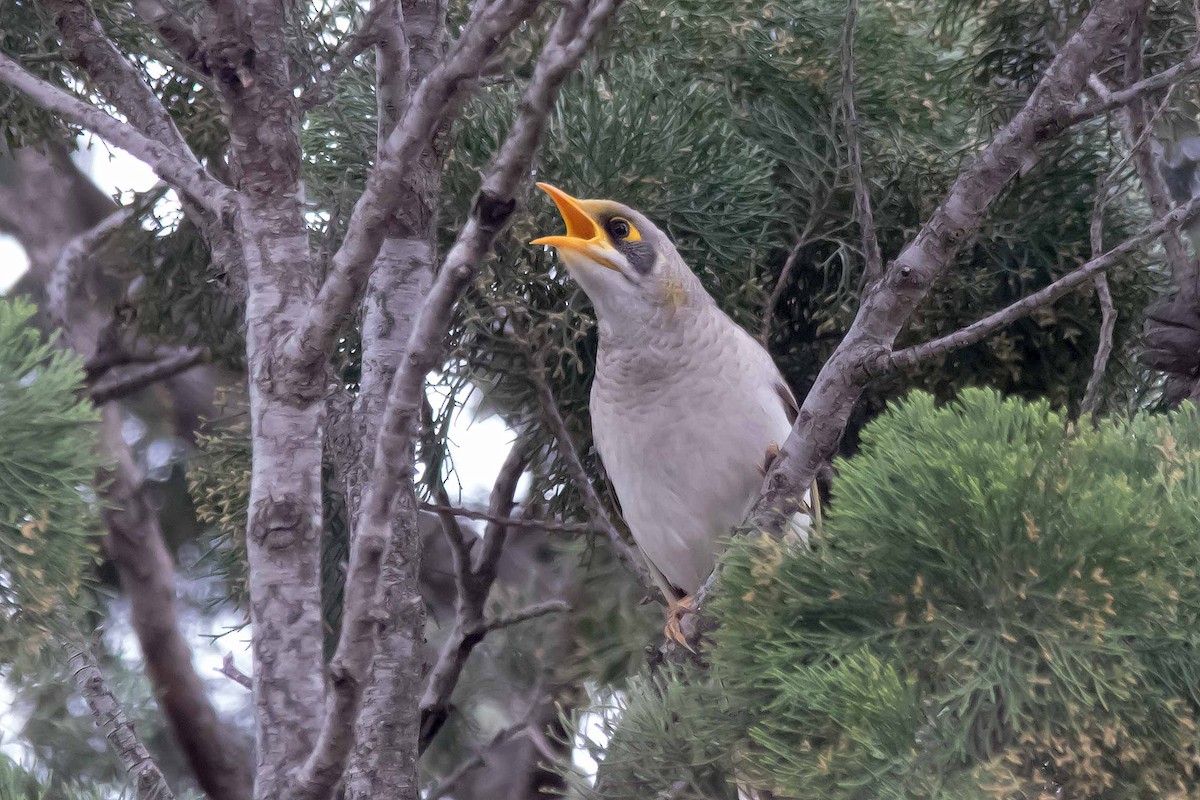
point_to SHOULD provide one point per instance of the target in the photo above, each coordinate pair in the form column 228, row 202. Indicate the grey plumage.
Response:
column 685, row 403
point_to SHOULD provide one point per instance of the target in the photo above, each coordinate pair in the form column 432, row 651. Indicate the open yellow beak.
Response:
column 583, row 234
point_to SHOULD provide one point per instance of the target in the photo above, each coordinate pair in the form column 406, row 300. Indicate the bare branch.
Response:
column 1108, row 312
column 862, row 193
column 368, row 34
column 981, row 329
column 187, row 177
column 785, row 274
column 147, row 779
column 1131, row 93
column 139, row 378
column 625, row 552
column 527, row 613
column 521, row 522
column 570, row 38
column 890, row 303
column 230, row 670
column 458, row 773
column 437, row 94
column 1108, row 322
column 89, row 47
column 474, row 583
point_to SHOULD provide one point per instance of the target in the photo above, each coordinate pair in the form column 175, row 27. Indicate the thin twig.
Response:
column 521, row 522
column 873, row 269
column 145, row 776
column 981, row 329
column 527, row 613
column 231, row 671
column 785, row 274
column 1127, row 95
column 1108, row 312
column 138, row 378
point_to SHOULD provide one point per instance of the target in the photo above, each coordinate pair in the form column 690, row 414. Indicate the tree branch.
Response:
column 532, row 611
column 981, row 329
column 1108, row 312
column 436, row 95
column 187, row 177
column 147, row 779
column 462, row 770
column 88, row 46
column 570, row 38
column 473, row 581
column 1131, row 93
column 863, row 214
column 889, row 304
column 142, row 376
column 368, row 34
column 553, row 526
column 230, row 670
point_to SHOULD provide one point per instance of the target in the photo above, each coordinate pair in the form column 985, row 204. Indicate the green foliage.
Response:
column 48, row 464
column 1001, row 604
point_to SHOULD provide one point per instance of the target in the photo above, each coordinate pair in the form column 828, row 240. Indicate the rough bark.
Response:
column 283, row 540
column 889, row 304
column 60, row 210
column 384, row 761
column 148, row 781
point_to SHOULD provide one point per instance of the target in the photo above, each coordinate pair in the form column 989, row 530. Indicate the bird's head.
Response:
column 627, row 266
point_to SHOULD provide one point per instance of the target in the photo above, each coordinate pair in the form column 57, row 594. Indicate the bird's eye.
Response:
column 618, row 228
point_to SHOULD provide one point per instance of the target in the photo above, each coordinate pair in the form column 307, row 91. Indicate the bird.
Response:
column 688, row 410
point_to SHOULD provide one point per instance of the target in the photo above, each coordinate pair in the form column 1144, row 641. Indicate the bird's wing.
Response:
column 790, row 407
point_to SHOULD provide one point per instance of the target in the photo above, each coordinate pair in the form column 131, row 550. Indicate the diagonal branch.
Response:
column 572, row 35
column 862, row 193
column 147, row 779
column 891, row 302
column 111, row 73
column 434, row 98
column 187, row 177
column 473, row 579
column 1130, row 94
column 981, row 329
column 144, row 375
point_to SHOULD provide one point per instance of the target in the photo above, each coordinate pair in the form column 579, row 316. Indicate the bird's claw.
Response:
column 675, row 613
column 773, row 454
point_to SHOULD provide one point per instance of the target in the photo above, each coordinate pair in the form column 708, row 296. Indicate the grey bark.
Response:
column 283, row 540
column 889, row 305
column 386, row 751
column 59, row 207
column 148, row 782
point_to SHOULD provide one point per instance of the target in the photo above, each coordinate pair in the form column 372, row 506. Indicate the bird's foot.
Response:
column 676, row 611
column 773, row 454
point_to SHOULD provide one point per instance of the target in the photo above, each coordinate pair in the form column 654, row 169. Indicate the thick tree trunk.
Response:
column 283, row 538
column 386, row 753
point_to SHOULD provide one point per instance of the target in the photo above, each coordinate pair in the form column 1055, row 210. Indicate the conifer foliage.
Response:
column 48, row 465
column 1001, row 604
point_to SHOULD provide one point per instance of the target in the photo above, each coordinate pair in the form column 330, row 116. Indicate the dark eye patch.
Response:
column 640, row 255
